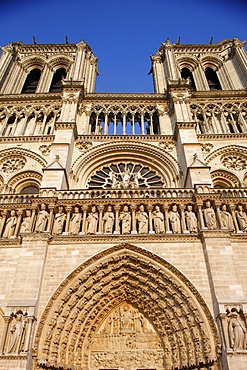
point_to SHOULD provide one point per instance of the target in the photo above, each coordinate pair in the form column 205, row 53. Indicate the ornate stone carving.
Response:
column 92, row 220
column 226, row 218
column 108, row 220
column 125, row 219
column 26, row 226
column 45, row 149
column 174, row 218
column 158, row 217
column 10, row 225
column 209, row 216
column 142, row 219
column 16, row 334
column 234, row 162
column 10, row 165
column 42, row 219
column 59, row 220
column 191, row 220
column 207, row 147
column 242, row 218
column 75, row 222
column 167, row 146
column 237, row 330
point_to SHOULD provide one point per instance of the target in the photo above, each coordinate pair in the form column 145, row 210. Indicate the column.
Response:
column 151, row 125
column 106, row 125
column 142, row 124
column 133, row 217
column 49, row 227
column 124, row 124
column 183, row 223
column 150, row 220
column 218, row 215
column 18, row 224
column 28, row 334
column 200, row 217
column 115, row 125
column 101, row 208
column 33, row 217
column 133, row 124
column 84, row 217
column 5, row 332
column 168, row 231
column 3, row 222
column 232, row 208
column 117, row 230
column 68, row 210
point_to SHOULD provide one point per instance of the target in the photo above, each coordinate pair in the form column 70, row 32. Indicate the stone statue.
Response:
column 126, row 178
column 226, row 218
column 75, row 222
column 17, row 334
column 10, row 225
column 59, row 220
column 26, row 226
column 108, row 221
column 242, row 218
column 175, row 220
column 209, row 216
column 191, row 220
column 142, row 221
column 158, row 221
column 113, row 178
column 237, row 331
column 92, row 220
column 125, row 217
column 41, row 219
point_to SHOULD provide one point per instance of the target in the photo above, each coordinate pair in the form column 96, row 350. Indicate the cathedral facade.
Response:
column 123, row 216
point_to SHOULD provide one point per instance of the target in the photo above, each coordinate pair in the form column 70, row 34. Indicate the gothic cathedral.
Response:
column 123, row 216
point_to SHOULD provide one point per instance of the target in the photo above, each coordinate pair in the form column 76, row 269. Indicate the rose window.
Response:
column 234, row 162
column 125, row 176
column 13, row 164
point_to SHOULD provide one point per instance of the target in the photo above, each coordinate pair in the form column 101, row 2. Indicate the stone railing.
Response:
column 136, row 211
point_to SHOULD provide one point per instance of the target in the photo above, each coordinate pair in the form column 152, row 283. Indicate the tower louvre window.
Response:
column 187, row 74
column 212, row 78
column 31, row 82
column 56, row 83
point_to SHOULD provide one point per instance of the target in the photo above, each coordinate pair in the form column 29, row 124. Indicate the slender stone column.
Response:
column 33, row 217
column 232, row 208
column 168, row 231
column 84, row 217
column 117, row 230
column 133, row 216
column 3, row 222
column 151, row 125
column 124, row 124
column 101, row 208
column 142, row 124
column 133, row 124
column 150, row 220
column 28, row 334
column 18, row 223
column 218, row 215
column 49, row 227
column 183, row 223
column 200, row 216
column 106, row 125
column 68, row 210
column 5, row 332
column 115, row 125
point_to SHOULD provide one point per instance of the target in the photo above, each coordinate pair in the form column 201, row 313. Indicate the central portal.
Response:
column 126, row 340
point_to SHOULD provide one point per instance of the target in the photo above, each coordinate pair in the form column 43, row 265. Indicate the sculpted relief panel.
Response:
column 126, row 339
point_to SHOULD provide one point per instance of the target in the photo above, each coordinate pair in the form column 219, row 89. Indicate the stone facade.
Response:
column 123, row 227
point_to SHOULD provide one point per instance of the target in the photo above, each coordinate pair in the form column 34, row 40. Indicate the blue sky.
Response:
column 122, row 33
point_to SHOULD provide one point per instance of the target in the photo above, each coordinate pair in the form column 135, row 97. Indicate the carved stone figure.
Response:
column 92, row 221
column 237, row 331
column 75, row 222
column 26, row 226
column 226, row 218
column 125, row 217
column 242, row 218
column 10, row 225
column 209, row 216
column 108, row 221
column 59, row 220
column 17, row 334
column 191, row 220
column 41, row 220
column 126, row 178
column 142, row 221
column 158, row 221
column 175, row 220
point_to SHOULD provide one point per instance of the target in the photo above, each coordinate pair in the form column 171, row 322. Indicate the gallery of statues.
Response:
column 123, row 216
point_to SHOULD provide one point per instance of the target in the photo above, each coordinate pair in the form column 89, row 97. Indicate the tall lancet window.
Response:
column 187, row 75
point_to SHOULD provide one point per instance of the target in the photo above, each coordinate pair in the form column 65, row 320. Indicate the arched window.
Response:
column 212, row 78
column 186, row 74
column 31, row 189
column 56, row 83
column 31, row 82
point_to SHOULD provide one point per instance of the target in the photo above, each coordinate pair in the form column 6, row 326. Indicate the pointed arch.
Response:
column 163, row 163
column 126, row 273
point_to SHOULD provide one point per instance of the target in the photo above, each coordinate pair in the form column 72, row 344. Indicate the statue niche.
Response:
column 126, row 339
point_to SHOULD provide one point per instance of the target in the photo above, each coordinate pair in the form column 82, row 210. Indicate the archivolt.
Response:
column 126, row 274
column 16, row 151
column 228, row 149
column 163, row 163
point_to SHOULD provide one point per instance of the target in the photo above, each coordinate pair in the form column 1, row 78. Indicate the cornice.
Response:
column 125, row 96
column 29, row 139
column 17, row 98
column 205, row 137
column 212, row 94
column 132, row 138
